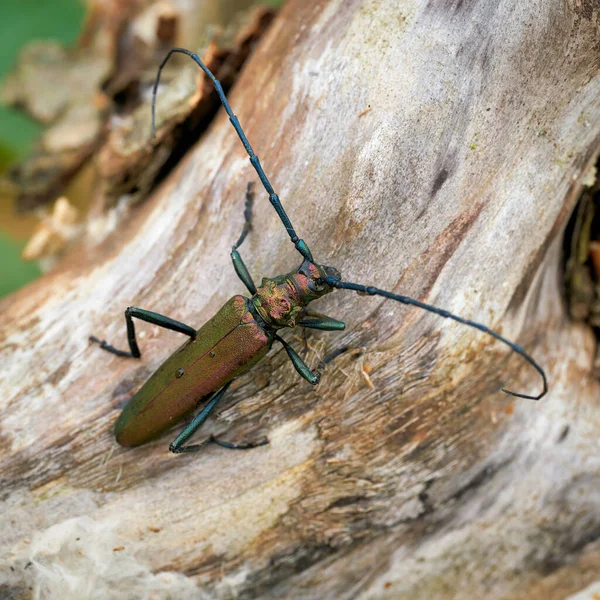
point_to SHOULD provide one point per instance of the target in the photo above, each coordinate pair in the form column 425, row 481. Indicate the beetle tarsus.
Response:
column 247, row 215
column 175, row 449
column 232, row 446
column 187, row 449
column 106, row 346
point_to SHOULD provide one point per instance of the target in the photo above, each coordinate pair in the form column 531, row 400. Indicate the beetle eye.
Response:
column 316, row 285
column 332, row 272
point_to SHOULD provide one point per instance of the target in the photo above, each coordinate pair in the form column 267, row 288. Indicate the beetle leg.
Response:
column 238, row 263
column 177, row 445
column 321, row 322
column 316, row 321
column 300, row 366
column 149, row 317
column 333, row 355
column 247, row 215
column 242, row 271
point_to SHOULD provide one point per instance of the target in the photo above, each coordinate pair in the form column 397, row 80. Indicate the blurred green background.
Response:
column 21, row 22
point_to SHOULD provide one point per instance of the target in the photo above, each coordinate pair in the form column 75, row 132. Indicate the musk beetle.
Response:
column 243, row 331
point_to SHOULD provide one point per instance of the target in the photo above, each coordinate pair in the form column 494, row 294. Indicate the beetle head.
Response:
column 310, row 280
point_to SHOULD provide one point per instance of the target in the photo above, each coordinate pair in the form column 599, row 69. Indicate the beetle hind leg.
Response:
column 149, row 317
column 178, row 445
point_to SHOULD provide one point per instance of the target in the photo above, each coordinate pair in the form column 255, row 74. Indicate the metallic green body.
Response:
column 242, row 332
column 225, row 347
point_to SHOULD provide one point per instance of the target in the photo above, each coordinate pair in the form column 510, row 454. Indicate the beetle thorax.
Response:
column 278, row 301
column 281, row 300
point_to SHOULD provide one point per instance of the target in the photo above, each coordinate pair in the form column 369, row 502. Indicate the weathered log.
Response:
column 454, row 188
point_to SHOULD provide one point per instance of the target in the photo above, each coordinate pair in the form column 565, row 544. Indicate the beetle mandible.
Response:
column 243, row 331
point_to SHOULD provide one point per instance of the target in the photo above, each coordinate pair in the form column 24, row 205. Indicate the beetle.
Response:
column 243, row 330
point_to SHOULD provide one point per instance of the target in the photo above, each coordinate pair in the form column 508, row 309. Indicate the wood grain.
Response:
column 454, row 188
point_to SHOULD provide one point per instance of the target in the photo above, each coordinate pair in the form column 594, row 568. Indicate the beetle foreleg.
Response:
column 238, row 263
column 310, row 320
column 242, row 271
column 321, row 322
column 149, row 317
column 247, row 215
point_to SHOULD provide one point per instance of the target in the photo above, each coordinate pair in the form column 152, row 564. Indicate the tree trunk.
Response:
column 435, row 149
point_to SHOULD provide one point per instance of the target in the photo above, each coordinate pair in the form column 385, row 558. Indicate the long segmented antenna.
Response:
column 273, row 197
column 373, row 291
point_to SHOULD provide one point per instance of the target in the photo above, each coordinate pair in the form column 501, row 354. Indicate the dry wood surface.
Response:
column 435, row 149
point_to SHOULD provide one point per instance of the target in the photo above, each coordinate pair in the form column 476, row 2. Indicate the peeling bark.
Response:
column 454, row 188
